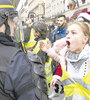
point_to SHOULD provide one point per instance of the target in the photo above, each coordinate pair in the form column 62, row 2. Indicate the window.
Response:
column 83, row 1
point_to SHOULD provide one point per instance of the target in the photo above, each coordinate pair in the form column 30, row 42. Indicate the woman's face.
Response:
column 75, row 38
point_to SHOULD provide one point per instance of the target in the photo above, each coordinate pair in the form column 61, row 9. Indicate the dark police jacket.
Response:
column 17, row 81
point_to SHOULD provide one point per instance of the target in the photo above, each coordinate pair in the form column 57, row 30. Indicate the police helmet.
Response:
column 6, row 11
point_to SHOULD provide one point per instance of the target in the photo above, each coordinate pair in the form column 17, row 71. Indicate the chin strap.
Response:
column 7, row 30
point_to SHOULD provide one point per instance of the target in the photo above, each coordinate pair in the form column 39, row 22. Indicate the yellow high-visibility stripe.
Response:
column 86, row 79
column 6, row 6
column 30, row 44
column 48, row 70
column 75, row 88
column 36, row 49
column 32, row 35
column 65, row 75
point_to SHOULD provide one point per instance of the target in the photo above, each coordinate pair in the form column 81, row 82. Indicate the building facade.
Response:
column 34, row 6
column 71, row 8
column 52, row 8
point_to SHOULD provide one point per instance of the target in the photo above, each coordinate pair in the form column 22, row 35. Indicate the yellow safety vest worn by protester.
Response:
column 48, row 68
column 31, row 42
column 74, row 90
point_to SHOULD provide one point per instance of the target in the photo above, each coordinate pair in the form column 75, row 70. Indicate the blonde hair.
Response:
column 84, row 28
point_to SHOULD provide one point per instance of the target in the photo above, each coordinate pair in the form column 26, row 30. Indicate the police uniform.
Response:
column 16, row 70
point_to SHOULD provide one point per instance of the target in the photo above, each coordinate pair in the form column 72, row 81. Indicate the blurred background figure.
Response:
column 28, row 31
column 51, row 28
column 85, row 17
column 60, row 31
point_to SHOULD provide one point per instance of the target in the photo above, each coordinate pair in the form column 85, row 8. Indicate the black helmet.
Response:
column 6, row 11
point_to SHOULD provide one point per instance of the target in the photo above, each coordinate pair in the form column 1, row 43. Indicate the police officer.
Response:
column 16, row 79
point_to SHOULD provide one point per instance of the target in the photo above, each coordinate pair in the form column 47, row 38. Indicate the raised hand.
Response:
column 44, row 45
column 59, row 45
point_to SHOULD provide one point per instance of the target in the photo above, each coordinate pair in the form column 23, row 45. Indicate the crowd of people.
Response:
column 55, row 55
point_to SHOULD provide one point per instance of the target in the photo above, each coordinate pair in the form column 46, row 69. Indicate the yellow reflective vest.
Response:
column 32, row 35
column 31, row 42
column 74, row 90
column 48, row 68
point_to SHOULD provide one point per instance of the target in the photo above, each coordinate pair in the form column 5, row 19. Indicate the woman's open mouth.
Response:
column 68, row 44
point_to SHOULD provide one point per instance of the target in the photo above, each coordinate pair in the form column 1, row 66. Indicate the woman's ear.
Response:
column 38, row 33
column 85, row 39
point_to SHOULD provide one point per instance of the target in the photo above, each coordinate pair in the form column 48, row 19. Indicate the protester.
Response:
column 40, row 32
column 28, row 31
column 51, row 28
column 85, row 16
column 60, row 31
column 28, row 34
column 73, row 53
column 17, row 79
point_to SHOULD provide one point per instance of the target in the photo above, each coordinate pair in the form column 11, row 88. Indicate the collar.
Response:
column 72, row 57
column 6, row 40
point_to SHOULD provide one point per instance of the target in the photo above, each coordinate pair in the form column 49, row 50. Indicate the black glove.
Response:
column 57, row 88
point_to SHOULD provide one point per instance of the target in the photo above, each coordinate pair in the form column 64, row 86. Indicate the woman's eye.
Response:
column 73, row 32
column 66, row 33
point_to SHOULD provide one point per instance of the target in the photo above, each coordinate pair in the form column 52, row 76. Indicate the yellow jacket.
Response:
column 74, row 90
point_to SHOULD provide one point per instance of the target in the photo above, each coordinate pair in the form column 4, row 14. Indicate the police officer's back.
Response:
column 16, row 81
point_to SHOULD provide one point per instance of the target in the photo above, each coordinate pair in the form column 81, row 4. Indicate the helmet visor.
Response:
column 18, row 30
